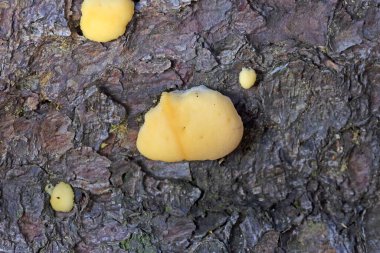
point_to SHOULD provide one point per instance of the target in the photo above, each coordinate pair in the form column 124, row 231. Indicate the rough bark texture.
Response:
column 304, row 179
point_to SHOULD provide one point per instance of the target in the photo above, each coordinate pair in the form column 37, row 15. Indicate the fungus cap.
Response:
column 105, row 20
column 62, row 197
column 196, row 124
column 247, row 78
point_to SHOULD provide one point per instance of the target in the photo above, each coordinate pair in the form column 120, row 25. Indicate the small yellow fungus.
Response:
column 61, row 197
column 247, row 78
column 197, row 124
column 105, row 20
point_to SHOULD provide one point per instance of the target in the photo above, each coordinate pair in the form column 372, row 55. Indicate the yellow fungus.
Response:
column 247, row 78
column 197, row 124
column 62, row 197
column 105, row 20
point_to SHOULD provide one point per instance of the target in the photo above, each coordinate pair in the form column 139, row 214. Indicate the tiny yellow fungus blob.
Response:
column 105, row 20
column 62, row 197
column 197, row 124
column 247, row 78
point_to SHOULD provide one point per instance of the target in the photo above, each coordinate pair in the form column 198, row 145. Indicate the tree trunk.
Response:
column 304, row 178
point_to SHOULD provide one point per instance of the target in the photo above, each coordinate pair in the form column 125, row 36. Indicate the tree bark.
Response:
column 304, row 178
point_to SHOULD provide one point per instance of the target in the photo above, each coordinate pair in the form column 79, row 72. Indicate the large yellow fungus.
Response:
column 105, row 20
column 197, row 124
column 247, row 78
column 61, row 197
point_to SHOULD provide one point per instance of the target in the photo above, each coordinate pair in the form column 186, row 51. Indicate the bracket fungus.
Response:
column 61, row 197
column 247, row 78
column 105, row 20
column 196, row 124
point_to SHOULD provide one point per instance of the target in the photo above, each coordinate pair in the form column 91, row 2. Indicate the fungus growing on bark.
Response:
column 247, row 78
column 105, row 20
column 196, row 124
column 61, row 197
